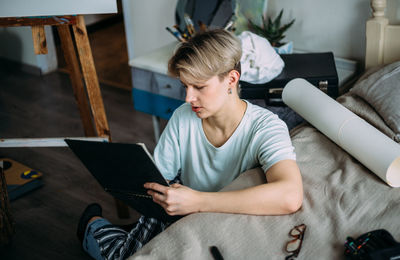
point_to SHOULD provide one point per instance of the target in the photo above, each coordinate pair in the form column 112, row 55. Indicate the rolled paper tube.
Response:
column 364, row 142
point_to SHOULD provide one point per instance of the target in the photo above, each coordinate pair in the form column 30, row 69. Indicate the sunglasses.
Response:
column 293, row 246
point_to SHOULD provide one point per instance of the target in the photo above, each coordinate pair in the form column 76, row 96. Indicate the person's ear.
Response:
column 233, row 77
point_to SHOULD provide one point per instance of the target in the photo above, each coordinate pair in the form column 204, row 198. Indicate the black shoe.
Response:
column 93, row 210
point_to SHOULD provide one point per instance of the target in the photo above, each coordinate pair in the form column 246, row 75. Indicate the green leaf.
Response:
column 277, row 22
column 264, row 22
column 269, row 23
column 286, row 26
column 271, row 30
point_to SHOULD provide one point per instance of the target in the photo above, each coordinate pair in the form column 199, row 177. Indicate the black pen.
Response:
column 216, row 253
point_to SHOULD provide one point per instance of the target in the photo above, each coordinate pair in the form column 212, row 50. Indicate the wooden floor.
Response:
column 44, row 106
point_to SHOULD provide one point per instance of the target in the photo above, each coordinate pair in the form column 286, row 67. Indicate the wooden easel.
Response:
column 7, row 228
column 72, row 32
column 64, row 23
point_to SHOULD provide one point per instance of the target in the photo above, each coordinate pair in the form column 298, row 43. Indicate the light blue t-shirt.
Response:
column 261, row 139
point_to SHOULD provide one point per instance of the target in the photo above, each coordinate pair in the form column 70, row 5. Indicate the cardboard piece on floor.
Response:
column 20, row 178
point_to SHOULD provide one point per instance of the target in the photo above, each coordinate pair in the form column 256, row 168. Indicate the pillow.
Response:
column 381, row 90
column 360, row 107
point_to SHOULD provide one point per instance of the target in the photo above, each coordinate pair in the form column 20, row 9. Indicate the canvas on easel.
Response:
column 29, row 8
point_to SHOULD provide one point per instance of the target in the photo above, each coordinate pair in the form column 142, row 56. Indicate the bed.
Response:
column 341, row 196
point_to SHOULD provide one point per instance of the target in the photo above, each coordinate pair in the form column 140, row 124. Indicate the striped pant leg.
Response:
column 116, row 243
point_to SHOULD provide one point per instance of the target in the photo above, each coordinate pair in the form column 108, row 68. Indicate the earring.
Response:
column 229, row 91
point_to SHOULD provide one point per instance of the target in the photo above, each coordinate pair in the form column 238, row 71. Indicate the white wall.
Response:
column 326, row 25
column 145, row 23
column 393, row 11
column 321, row 25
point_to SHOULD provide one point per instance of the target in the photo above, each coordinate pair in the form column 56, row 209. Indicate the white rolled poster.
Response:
column 367, row 144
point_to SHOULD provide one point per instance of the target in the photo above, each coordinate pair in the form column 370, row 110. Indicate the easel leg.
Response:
column 90, row 76
column 93, row 90
column 76, row 79
column 6, row 221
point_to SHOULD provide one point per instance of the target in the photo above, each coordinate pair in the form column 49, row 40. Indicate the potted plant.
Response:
column 273, row 32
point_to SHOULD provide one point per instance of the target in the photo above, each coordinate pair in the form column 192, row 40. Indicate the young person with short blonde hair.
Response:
column 208, row 142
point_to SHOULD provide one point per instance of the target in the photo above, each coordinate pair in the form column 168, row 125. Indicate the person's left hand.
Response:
column 175, row 199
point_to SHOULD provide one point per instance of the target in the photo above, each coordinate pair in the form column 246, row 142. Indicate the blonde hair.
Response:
column 207, row 54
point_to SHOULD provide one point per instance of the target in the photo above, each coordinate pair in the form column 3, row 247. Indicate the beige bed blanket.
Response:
column 341, row 198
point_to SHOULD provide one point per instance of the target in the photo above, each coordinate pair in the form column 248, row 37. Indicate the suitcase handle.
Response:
column 277, row 91
column 322, row 85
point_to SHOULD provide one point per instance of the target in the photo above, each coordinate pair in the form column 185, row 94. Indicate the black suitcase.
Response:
column 317, row 68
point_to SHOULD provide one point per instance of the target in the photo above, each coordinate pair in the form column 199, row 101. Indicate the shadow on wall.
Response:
column 10, row 42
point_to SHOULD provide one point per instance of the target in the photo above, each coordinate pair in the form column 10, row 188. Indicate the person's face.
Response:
column 207, row 98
